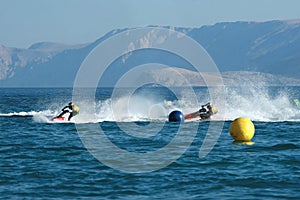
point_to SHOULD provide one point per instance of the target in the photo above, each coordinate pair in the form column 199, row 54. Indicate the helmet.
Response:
column 70, row 103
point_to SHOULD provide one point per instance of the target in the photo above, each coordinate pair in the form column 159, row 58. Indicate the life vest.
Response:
column 75, row 108
column 214, row 109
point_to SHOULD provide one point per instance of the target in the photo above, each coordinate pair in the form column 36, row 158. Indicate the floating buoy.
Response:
column 242, row 129
column 176, row 116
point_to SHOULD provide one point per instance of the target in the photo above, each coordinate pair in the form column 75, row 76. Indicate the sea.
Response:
column 121, row 145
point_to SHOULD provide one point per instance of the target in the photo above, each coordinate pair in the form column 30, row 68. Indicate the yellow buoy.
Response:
column 242, row 129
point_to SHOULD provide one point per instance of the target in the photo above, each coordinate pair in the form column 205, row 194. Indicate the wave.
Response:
column 258, row 104
column 261, row 104
column 38, row 116
column 26, row 114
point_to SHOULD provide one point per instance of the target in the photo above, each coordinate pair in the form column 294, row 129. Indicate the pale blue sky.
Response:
column 24, row 22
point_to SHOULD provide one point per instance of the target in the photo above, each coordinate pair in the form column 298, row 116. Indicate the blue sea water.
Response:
column 40, row 159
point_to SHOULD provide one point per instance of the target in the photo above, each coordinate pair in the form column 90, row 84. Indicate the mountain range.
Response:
column 254, row 51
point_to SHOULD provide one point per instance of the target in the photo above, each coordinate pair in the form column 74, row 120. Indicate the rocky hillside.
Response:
column 255, row 47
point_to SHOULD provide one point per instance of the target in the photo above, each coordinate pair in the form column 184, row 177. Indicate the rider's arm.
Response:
column 64, row 108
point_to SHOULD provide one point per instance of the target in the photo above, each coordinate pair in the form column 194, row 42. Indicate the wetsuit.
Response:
column 72, row 109
column 75, row 111
column 205, row 113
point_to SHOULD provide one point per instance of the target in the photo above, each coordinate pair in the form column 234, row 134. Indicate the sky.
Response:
column 25, row 22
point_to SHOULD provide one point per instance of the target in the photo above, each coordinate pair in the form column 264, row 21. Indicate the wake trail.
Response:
column 254, row 103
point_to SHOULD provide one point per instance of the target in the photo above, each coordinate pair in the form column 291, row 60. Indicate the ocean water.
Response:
column 40, row 159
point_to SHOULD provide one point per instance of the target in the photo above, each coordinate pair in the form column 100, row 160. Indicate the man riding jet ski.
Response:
column 205, row 112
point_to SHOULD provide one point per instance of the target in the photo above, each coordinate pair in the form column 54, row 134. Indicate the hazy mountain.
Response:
column 272, row 48
column 181, row 77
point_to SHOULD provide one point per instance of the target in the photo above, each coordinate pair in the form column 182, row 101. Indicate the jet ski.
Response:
column 202, row 114
column 59, row 119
